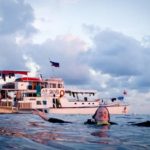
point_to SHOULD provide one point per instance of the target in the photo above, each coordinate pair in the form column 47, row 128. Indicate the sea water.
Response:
column 30, row 132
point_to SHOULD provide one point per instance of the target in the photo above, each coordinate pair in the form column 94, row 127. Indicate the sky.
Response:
column 100, row 44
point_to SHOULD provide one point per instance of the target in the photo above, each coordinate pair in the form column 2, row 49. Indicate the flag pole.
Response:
column 51, row 68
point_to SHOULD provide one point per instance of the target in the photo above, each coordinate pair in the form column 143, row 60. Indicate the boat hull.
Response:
column 89, row 110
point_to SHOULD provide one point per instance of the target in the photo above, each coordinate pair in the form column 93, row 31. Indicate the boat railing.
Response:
column 7, row 106
column 25, row 105
column 114, row 103
column 84, row 100
column 10, row 105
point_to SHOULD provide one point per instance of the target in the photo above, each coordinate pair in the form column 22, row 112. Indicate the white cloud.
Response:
column 120, row 56
column 139, row 102
column 32, row 66
column 18, row 19
column 146, row 41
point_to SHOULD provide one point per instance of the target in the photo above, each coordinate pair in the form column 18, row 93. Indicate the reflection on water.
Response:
column 27, row 131
column 102, row 132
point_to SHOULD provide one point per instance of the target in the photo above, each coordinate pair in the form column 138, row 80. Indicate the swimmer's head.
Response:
column 102, row 114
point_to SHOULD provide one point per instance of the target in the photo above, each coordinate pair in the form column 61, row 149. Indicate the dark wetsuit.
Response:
column 142, row 124
column 55, row 120
column 89, row 121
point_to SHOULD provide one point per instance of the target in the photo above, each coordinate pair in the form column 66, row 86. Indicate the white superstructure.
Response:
column 50, row 95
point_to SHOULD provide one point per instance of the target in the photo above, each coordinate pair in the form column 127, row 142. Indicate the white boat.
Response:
column 45, row 94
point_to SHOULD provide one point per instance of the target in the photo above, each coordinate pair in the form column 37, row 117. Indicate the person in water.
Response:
column 46, row 118
column 101, row 117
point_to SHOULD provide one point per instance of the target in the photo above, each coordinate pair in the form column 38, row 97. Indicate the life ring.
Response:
column 62, row 93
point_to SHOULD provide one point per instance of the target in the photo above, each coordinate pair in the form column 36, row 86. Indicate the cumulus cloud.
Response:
column 68, row 1
column 114, row 61
column 115, row 53
column 146, row 41
column 10, row 54
column 120, row 56
column 32, row 66
column 65, row 50
column 139, row 102
column 16, row 17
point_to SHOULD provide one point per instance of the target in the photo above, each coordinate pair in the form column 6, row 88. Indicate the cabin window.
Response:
column 38, row 102
column 82, row 103
column 32, row 99
column 70, row 93
column 40, row 109
column 46, row 85
column 29, row 95
column 59, row 85
column 85, row 99
column 33, row 94
column 73, row 94
column 52, row 85
column 49, row 85
column 45, row 111
column 44, row 102
column 33, row 86
column 30, row 87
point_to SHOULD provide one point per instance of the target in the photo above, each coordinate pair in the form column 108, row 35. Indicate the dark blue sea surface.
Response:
column 30, row 132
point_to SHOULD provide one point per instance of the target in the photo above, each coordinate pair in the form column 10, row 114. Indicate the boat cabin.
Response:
column 53, row 87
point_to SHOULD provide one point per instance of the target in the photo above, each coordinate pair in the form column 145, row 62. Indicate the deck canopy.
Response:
column 29, row 79
column 11, row 73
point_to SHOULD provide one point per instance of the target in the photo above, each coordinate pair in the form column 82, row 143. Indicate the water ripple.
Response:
column 30, row 132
